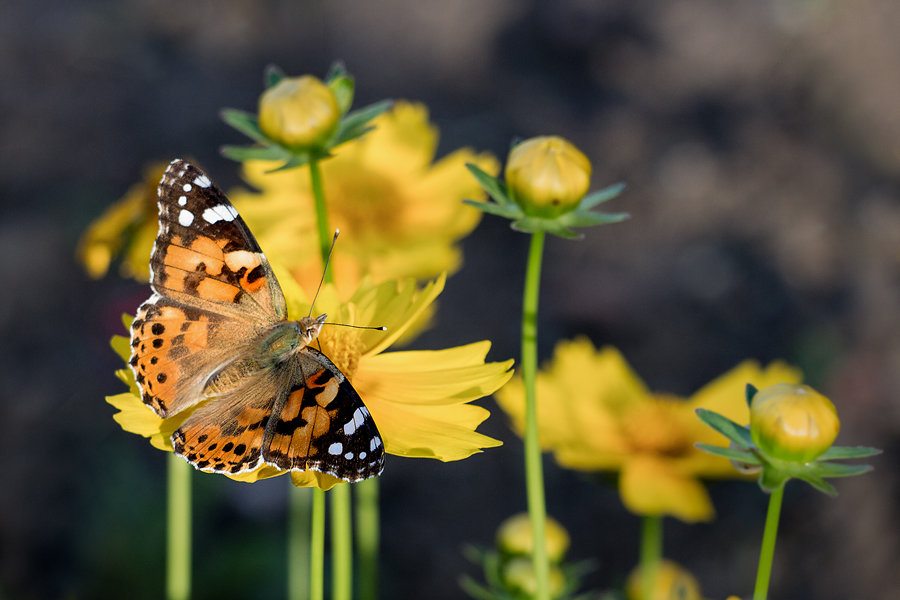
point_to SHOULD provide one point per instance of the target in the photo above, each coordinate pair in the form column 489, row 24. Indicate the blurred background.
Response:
column 761, row 145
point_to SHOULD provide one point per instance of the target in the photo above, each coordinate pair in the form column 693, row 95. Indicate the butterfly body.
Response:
column 214, row 338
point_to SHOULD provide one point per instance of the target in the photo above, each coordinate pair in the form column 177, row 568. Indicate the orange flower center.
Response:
column 656, row 426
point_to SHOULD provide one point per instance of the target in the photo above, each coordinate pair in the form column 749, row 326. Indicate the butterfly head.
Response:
column 310, row 328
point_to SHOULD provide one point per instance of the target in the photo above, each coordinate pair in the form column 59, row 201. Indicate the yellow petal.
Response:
column 654, row 486
column 135, row 417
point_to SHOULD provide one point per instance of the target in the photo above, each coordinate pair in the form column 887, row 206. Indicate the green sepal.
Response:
column 589, row 219
column 818, row 483
column 738, row 434
column 744, row 456
column 343, row 87
column 601, row 196
column 495, row 188
column 749, row 393
column 246, row 123
column 273, row 76
column 536, row 225
column 509, row 211
column 356, row 123
column 830, row 469
column 844, row 452
column 294, row 160
column 336, row 70
column 245, row 153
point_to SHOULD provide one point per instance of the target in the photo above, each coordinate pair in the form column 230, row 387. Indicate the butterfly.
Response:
column 215, row 337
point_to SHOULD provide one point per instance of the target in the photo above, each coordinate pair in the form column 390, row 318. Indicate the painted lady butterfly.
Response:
column 215, row 335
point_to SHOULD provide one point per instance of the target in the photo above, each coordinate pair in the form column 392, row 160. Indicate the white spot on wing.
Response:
column 359, row 416
column 186, row 187
column 202, row 180
column 349, row 456
column 335, row 448
column 349, row 427
column 363, row 454
column 220, row 212
column 185, row 217
column 182, row 201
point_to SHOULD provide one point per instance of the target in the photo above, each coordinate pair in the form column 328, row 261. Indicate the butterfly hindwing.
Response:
column 323, row 425
column 205, row 255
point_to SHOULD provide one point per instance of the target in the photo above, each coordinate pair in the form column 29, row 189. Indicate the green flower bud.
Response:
column 514, row 537
column 792, row 422
column 518, row 576
column 547, row 176
column 299, row 112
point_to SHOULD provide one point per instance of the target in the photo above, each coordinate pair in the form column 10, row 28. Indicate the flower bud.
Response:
column 514, row 537
column 299, row 112
column 547, row 176
column 518, row 576
column 672, row 581
column 792, row 422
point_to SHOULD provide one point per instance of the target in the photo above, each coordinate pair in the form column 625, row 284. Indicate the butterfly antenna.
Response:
column 324, row 270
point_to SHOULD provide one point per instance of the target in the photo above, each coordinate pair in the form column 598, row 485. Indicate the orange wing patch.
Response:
column 161, row 335
column 231, row 443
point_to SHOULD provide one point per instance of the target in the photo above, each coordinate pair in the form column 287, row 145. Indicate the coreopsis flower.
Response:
column 419, row 400
column 547, row 175
column 545, row 189
column 126, row 229
column 790, row 435
column 299, row 112
column 793, row 422
column 595, row 414
column 399, row 212
column 672, row 581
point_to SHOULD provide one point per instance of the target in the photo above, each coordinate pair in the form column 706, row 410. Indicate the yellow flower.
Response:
column 299, row 112
column 672, row 582
column 518, row 575
column 128, row 227
column 547, row 175
column 418, row 399
column 793, row 422
column 595, row 414
column 400, row 214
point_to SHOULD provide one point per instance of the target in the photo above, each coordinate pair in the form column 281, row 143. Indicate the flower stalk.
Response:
column 367, row 537
column 534, row 474
column 299, row 535
column 178, row 554
column 767, row 552
column 651, row 553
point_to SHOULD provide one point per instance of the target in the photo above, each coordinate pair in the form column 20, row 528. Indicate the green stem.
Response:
column 534, row 474
column 367, row 537
column 767, row 552
column 317, row 547
column 325, row 233
column 178, row 554
column 651, row 553
column 341, row 543
column 299, row 505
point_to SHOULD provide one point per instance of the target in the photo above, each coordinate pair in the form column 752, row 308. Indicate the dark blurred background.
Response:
column 761, row 145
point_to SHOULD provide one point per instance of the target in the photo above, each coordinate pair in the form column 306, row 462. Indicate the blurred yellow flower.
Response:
column 400, row 214
column 595, row 414
column 418, row 399
column 672, row 582
column 127, row 228
column 516, row 536
column 547, row 175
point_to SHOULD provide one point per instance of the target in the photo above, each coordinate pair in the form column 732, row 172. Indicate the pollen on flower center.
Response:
column 654, row 426
column 344, row 349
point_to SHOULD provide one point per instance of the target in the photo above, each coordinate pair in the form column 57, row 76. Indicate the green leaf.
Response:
column 356, row 123
column 844, row 452
column 493, row 186
column 818, row 483
column 337, row 69
column 245, row 153
column 829, row 469
column 601, row 196
column 293, row 161
column 730, row 453
column 589, row 219
column 273, row 76
column 536, row 225
column 246, row 123
column 506, row 211
column 736, row 433
column 749, row 392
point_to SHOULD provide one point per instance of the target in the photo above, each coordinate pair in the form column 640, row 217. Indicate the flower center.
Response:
column 656, row 426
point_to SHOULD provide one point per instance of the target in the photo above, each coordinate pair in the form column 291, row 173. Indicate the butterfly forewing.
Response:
column 200, row 339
